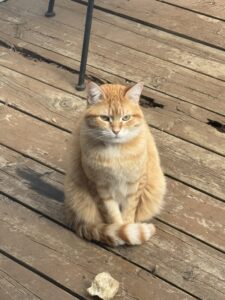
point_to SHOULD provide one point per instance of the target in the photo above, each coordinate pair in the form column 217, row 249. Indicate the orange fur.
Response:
column 114, row 181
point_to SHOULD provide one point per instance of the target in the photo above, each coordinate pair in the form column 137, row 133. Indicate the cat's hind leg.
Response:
column 149, row 204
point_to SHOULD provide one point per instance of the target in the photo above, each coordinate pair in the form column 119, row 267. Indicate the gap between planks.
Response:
column 77, row 260
column 190, row 217
column 66, row 117
column 170, row 19
column 48, row 101
column 179, row 166
column 19, row 282
column 185, row 121
column 156, row 82
column 43, row 152
column 45, row 132
column 212, row 9
column 163, row 239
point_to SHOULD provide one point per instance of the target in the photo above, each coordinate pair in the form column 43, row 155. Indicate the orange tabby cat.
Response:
column 114, row 181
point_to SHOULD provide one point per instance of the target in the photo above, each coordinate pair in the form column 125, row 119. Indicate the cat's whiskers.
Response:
column 97, row 134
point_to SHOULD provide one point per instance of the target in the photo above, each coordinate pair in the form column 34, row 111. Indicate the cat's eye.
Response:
column 105, row 118
column 126, row 117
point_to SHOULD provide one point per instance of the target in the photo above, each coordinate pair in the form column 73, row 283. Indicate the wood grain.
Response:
column 157, row 43
column 29, row 95
column 72, row 262
column 162, row 75
column 42, row 188
column 17, row 282
column 186, row 79
column 170, row 18
column 178, row 258
column 33, row 138
column 197, row 262
column 143, row 38
column 214, row 9
column 189, row 163
column 59, row 107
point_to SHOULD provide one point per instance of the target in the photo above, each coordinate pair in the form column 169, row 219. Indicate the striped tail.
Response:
column 117, row 234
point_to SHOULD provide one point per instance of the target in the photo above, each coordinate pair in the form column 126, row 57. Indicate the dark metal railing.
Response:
column 87, row 32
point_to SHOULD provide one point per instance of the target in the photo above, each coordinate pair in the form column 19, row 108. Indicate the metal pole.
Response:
column 81, row 85
column 50, row 12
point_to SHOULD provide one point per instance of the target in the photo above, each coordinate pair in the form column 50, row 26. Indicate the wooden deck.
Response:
column 177, row 48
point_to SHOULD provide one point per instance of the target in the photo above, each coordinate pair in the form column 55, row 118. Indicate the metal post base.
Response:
column 80, row 87
column 50, row 13
column 87, row 32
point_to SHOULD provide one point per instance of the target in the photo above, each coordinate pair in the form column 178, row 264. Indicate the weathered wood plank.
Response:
column 170, row 18
column 32, row 183
column 42, row 188
column 210, row 8
column 61, row 255
column 33, row 138
column 149, row 40
column 200, row 261
column 41, row 100
column 53, row 159
column 17, row 283
column 55, row 106
column 178, row 258
column 188, row 275
column 162, row 76
column 191, row 164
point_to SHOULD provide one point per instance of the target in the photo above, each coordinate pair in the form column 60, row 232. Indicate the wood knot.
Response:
column 188, row 275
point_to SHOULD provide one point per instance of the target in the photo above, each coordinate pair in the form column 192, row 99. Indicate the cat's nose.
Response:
column 116, row 131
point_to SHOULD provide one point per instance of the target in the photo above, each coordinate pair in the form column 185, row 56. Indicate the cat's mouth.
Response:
column 109, row 137
column 117, row 139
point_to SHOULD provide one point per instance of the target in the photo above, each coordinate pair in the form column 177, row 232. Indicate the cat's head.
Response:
column 113, row 113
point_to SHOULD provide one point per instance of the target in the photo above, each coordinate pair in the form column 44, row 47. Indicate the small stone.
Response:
column 104, row 286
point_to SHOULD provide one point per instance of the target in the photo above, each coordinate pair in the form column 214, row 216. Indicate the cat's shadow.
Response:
column 40, row 183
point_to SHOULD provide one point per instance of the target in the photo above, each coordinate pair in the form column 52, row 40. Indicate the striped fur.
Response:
column 114, row 181
column 117, row 234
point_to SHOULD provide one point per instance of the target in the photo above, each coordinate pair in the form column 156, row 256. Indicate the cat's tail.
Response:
column 117, row 234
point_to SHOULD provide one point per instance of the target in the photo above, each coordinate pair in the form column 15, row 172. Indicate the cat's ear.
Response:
column 94, row 93
column 135, row 91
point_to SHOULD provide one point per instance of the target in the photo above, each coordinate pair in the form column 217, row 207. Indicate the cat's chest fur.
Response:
column 113, row 166
column 115, row 170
